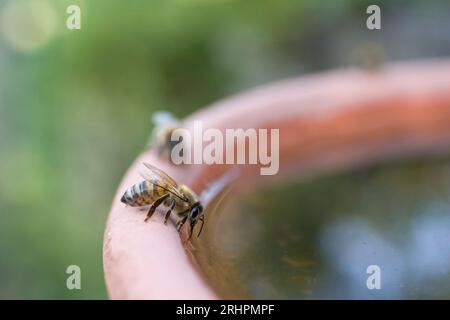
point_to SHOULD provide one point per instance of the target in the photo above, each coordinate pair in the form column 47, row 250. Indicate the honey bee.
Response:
column 159, row 188
column 165, row 124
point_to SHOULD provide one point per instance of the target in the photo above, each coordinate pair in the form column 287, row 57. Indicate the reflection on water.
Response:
column 315, row 239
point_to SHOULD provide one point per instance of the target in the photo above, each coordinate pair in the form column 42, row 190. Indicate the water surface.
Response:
column 316, row 238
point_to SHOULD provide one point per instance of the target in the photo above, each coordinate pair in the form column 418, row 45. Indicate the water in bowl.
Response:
column 381, row 232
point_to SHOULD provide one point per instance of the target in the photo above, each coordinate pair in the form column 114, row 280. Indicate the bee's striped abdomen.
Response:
column 155, row 189
column 139, row 194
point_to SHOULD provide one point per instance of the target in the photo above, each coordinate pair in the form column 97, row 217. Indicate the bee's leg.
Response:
column 166, row 217
column 155, row 205
column 181, row 222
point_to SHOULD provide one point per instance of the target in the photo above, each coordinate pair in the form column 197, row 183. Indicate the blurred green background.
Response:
column 75, row 105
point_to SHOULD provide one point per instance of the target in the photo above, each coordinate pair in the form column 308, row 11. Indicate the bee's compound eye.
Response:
column 196, row 211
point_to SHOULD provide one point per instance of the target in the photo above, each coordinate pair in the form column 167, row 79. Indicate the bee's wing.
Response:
column 164, row 118
column 154, row 174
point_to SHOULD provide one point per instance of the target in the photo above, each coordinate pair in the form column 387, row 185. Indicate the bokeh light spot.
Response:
column 27, row 25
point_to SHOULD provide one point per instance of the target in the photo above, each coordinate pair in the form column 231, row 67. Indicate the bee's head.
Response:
column 196, row 211
column 195, row 215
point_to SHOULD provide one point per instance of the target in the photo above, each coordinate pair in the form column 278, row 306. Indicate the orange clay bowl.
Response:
column 327, row 121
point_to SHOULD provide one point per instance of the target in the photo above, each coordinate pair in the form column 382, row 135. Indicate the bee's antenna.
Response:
column 191, row 229
column 202, row 219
